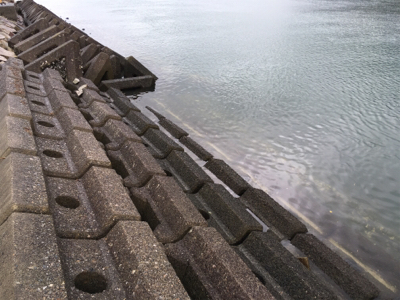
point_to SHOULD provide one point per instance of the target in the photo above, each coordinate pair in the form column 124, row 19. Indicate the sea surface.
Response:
column 301, row 97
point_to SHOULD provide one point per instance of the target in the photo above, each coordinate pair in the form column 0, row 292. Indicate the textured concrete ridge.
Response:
column 99, row 202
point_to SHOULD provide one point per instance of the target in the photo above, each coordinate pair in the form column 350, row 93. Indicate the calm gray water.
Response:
column 301, row 97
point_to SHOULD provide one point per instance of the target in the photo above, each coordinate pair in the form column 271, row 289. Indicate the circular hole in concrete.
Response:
column 45, row 124
column 38, row 103
column 68, row 202
column 51, row 153
column 90, row 282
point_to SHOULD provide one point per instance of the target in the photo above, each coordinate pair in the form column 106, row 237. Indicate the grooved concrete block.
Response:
column 89, row 270
column 22, row 187
column 89, row 96
column 39, row 104
column 99, row 67
column 86, row 151
column 47, row 126
column 272, row 214
column 272, row 259
column 28, row 31
column 227, row 175
column 226, row 213
column 72, row 119
column 139, row 122
column 198, row 150
column 72, row 62
column 109, row 199
column 33, row 77
column 210, row 269
column 142, row 264
column 34, row 88
column 116, row 133
column 172, row 128
column 11, row 85
column 36, row 39
column 29, row 261
column 352, row 282
column 142, row 82
column 89, row 83
column 189, row 175
column 37, row 50
column 11, row 71
column 166, row 208
column 159, row 144
column 100, row 113
column 16, row 136
column 134, row 163
column 15, row 62
column 60, row 99
column 8, row 11
column 15, row 106
column 121, row 101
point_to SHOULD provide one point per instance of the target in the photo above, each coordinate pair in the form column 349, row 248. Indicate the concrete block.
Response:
column 100, row 113
column 56, row 158
column 51, row 84
column 29, row 261
column 15, row 62
column 159, row 144
column 47, row 126
column 28, row 31
column 34, row 88
column 210, row 269
column 121, row 101
column 351, row 281
column 89, row 83
column 272, row 259
column 227, row 175
column 134, row 163
column 71, row 65
column 11, row 85
column 189, row 175
column 156, row 113
column 137, row 67
column 89, row 52
column 172, row 128
column 22, row 187
column 50, row 73
column 114, row 133
column 89, row 270
column 99, row 68
column 88, row 97
column 166, row 208
column 8, row 11
column 37, row 50
column 11, row 71
column 72, row 119
column 140, row 82
column 282, row 222
column 142, row 264
column 86, row 151
column 109, row 199
column 224, row 212
column 16, row 136
column 60, row 99
column 36, row 39
column 14, row 106
column 39, row 104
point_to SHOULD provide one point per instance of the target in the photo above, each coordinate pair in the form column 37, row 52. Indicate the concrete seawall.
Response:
column 98, row 201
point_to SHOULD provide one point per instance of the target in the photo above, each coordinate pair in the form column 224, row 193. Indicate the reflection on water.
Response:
column 299, row 96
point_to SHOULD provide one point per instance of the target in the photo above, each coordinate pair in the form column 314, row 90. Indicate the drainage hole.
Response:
column 54, row 154
column 90, row 282
column 38, row 103
column 67, row 202
column 168, row 173
column 34, row 76
column 34, row 87
column 205, row 214
column 45, row 124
